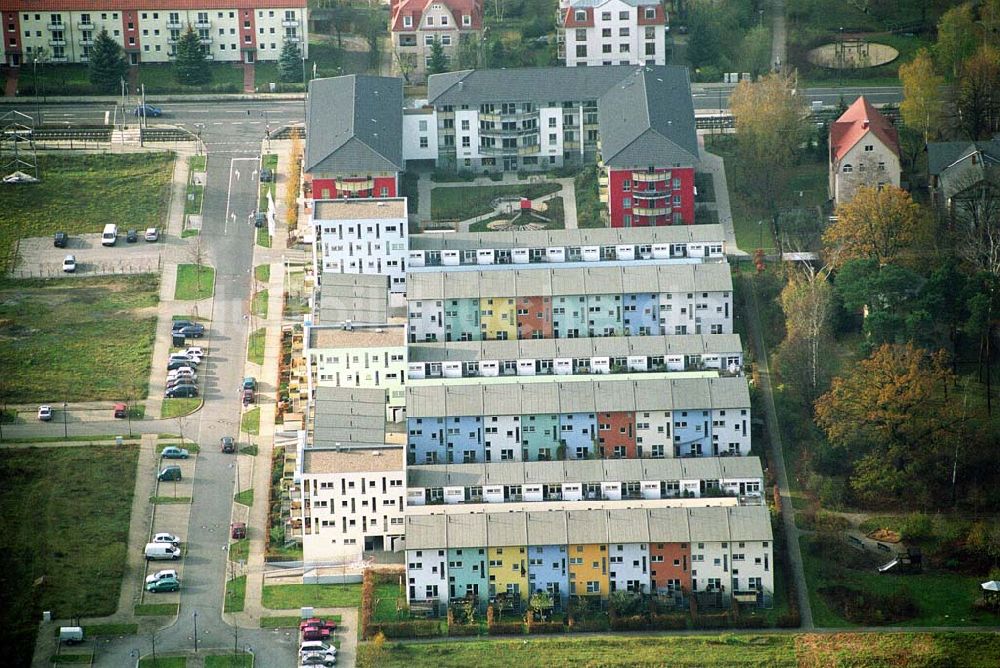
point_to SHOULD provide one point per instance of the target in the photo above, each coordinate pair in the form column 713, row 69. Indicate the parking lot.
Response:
column 38, row 258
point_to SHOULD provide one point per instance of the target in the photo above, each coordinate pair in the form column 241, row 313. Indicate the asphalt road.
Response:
column 717, row 97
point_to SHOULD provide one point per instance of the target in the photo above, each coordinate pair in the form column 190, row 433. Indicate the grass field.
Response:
column 284, row 597
column 236, row 593
column 262, row 272
column 269, row 161
column 250, row 422
column 162, row 500
column 259, row 304
column 156, row 610
column 194, row 282
column 83, row 340
column 229, row 661
column 255, row 351
column 923, row 650
column 81, row 193
column 245, row 497
column 239, row 550
column 467, row 202
column 163, row 662
column 66, row 515
column 179, row 407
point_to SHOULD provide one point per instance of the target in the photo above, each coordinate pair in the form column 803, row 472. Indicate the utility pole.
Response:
column 195, row 631
column 65, row 426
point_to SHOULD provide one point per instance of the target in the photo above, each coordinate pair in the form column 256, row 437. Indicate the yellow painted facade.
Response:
column 509, row 570
column 588, row 564
column 498, row 318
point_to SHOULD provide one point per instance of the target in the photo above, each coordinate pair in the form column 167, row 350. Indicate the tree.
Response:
column 892, row 417
column 976, row 217
column 290, row 62
column 468, row 52
column 771, row 123
column 107, row 65
column 807, row 301
column 886, row 293
column 438, row 60
column 190, row 63
column 877, row 224
column 406, row 62
column 978, row 100
column 957, row 37
column 921, row 108
column 754, row 55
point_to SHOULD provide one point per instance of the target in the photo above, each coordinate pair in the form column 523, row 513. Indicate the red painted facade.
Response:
column 617, row 430
column 327, row 188
column 12, row 38
column 651, row 203
column 537, row 322
column 248, row 29
column 675, row 564
column 130, row 30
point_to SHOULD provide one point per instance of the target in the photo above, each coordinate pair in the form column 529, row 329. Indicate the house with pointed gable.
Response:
column 864, row 151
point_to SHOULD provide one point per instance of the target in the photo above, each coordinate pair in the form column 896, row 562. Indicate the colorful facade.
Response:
column 651, row 198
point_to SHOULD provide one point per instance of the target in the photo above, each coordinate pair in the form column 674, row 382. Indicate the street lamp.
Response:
column 65, row 427
column 195, row 631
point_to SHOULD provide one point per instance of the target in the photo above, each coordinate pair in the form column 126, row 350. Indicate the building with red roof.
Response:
column 864, row 151
column 416, row 24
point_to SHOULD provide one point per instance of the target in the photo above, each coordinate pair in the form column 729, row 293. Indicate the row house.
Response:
column 611, row 32
column 415, row 25
column 585, row 480
column 691, row 243
column 361, row 236
column 362, row 356
column 637, row 124
column 63, row 31
column 717, row 554
column 354, row 146
column 719, row 353
column 640, row 416
column 540, row 302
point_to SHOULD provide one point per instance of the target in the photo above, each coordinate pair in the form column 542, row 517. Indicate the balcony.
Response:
column 57, row 42
column 174, row 25
column 643, row 211
column 56, row 26
column 650, row 194
column 202, row 25
column 58, row 59
column 205, row 40
column 85, row 26
column 529, row 150
column 290, row 23
column 516, row 116
column 650, row 177
column 294, row 39
column 353, row 186
column 86, row 42
column 499, row 132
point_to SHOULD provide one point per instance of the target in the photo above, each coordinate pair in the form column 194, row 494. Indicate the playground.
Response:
column 852, row 52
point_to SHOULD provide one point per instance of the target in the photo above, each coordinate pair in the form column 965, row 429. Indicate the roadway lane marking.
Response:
column 229, row 193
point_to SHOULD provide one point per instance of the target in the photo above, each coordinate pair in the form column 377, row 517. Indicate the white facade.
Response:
column 613, row 32
column 355, row 236
column 731, row 432
column 696, row 313
column 868, row 163
column 427, row 575
column 502, row 438
column 420, row 140
column 628, row 567
column 653, row 435
column 426, row 320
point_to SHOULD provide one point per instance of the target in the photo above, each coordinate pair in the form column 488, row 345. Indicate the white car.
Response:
column 178, row 373
column 69, row 264
column 162, row 575
column 183, row 357
column 195, row 351
column 317, row 647
column 166, row 538
column 45, row 413
column 152, row 234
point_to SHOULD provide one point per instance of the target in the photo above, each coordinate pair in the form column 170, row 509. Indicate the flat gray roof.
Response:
column 348, row 415
column 358, row 209
column 360, row 298
column 604, row 236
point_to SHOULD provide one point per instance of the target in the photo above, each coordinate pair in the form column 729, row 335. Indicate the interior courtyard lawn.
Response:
column 287, row 597
column 79, row 194
column 87, row 339
column 858, row 650
column 461, row 202
column 66, row 516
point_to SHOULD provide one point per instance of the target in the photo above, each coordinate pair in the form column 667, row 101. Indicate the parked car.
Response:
column 121, row 410
column 319, row 623
column 228, row 445
column 248, row 397
column 250, row 383
column 131, row 236
column 60, row 240
column 69, row 264
column 196, row 351
column 169, row 473
column 45, row 413
column 166, row 538
column 183, row 372
column 315, row 633
column 152, row 234
column 259, row 219
column 317, row 646
column 178, row 364
column 195, row 331
column 181, row 391
column 238, row 530
column 148, row 111
column 178, row 324
column 161, row 551
column 162, row 575
column 317, row 660
column 266, row 175
column 173, row 452
column 166, row 584
column 193, row 359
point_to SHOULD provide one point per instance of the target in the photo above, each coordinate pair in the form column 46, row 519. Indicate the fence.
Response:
column 51, row 270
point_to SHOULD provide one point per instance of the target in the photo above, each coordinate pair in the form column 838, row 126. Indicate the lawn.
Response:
column 923, row 650
column 286, row 597
column 259, row 305
column 66, row 516
column 163, row 662
column 72, row 658
column 156, row 610
column 124, row 629
column 79, row 194
column 245, row 497
column 194, row 281
column 263, row 238
column 83, row 340
column 262, row 272
column 943, row 599
column 179, row 407
column 459, row 203
column 588, row 203
column 255, row 351
column 230, row 661
column 408, row 189
column 387, row 595
column 250, row 422
column 162, row 500
column 236, row 593
column 160, row 78
column 239, row 550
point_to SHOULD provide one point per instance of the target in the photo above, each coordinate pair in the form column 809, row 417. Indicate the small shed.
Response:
column 991, row 593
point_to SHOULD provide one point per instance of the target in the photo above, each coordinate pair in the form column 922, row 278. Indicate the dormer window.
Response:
column 467, row 20
column 407, row 21
column 580, row 15
column 650, row 12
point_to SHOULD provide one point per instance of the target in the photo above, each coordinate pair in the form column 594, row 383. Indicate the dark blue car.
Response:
column 148, row 110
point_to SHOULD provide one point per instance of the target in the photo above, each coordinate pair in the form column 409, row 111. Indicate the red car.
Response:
column 316, row 621
column 315, row 633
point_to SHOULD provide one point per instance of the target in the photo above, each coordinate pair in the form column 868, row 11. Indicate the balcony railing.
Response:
column 57, row 42
column 56, row 26
column 650, row 194
column 643, row 211
column 85, row 26
column 353, row 186
column 516, row 116
column 86, row 42
column 290, row 23
column 202, row 25
column 293, row 39
column 175, row 25
column 205, row 40
column 650, row 177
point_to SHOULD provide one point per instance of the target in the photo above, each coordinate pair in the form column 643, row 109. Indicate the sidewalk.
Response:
column 715, row 166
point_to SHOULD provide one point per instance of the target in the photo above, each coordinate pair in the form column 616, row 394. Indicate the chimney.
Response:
column 865, row 124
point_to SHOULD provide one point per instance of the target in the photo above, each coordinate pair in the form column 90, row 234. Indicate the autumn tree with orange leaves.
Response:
column 878, row 224
column 896, row 417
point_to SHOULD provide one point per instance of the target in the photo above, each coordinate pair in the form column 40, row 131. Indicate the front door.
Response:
column 249, row 56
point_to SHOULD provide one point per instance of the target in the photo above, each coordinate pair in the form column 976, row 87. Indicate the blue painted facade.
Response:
column 464, row 437
column 547, row 571
column 467, row 573
column 539, row 433
column 578, row 432
column 569, row 317
column 426, row 442
column 641, row 313
column 461, row 320
column 692, row 433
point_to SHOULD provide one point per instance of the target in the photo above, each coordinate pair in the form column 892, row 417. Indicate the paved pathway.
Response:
column 715, row 166
column 779, row 36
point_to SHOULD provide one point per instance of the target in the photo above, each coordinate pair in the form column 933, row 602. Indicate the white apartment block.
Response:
column 696, row 312
column 362, row 236
column 63, row 32
column 612, row 32
column 628, row 567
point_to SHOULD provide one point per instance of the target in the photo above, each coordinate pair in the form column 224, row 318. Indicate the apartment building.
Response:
column 721, row 353
column 361, row 356
column 63, row 31
column 467, row 421
column 354, row 127
column 415, row 25
column 361, row 236
column 682, row 244
column 612, row 32
column 717, row 554
column 864, row 151
column 571, row 301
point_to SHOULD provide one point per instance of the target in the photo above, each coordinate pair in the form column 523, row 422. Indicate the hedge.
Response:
column 411, row 629
column 506, row 629
column 546, row 627
column 463, row 629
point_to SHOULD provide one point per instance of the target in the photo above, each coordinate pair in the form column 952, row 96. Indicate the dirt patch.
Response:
column 814, row 650
column 852, row 55
column 869, row 608
column 885, row 536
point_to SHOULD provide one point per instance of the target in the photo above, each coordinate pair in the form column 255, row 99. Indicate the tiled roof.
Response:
column 415, row 8
column 145, row 5
column 855, row 123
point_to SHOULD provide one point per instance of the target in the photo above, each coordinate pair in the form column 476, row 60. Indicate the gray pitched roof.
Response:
column 604, row 236
column 959, row 165
column 648, row 119
column 940, row 155
column 540, row 85
column 354, row 125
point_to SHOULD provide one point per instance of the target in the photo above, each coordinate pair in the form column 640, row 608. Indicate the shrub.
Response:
column 591, row 625
column 367, row 597
column 827, row 521
column 789, row 620
column 917, row 527
column 865, row 607
column 506, row 629
column 463, row 629
column 749, row 622
column 546, row 627
column 411, row 629
column 667, row 622
column 713, row 621
column 630, row 623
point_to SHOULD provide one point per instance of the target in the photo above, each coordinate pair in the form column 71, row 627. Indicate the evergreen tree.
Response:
column 438, row 61
column 290, row 62
column 190, row 61
column 107, row 63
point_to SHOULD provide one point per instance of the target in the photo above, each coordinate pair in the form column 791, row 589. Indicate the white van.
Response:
column 162, row 551
column 110, row 236
column 71, row 635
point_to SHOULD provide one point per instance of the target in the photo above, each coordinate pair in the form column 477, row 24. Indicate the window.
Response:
column 553, row 139
column 466, row 142
column 605, row 48
column 593, row 587
column 430, row 20
column 650, row 14
column 848, row 168
column 623, row 32
column 465, row 124
column 869, row 148
column 650, row 48
column 581, row 50
column 605, row 16
column 627, row 202
column 466, row 20
column 580, row 15
column 623, row 48
column 606, row 32
column 407, row 21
